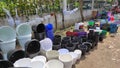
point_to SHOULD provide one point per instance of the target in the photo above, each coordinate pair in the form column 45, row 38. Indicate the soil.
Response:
column 105, row 55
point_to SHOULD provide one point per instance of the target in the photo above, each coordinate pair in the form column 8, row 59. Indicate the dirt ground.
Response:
column 106, row 55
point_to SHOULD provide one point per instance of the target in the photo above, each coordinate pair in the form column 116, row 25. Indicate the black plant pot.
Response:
column 88, row 44
column 83, row 48
column 32, row 47
column 75, row 43
column 39, row 36
column 84, row 39
column 96, row 38
column 39, row 31
column 15, row 55
column 57, row 40
column 101, row 37
column 66, row 40
column 5, row 64
column 70, row 47
column 91, row 34
column 92, row 42
column 56, row 47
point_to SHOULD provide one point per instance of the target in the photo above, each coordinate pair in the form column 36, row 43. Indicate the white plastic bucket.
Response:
column 23, row 29
column 79, row 53
column 54, row 64
column 39, row 58
column 46, row 45
column 24, row 62
column 7, row 46
column 23, row 39
column 53, row 54
column 74, row 56
column 67, row 60
column 63, row 51
column 37, row 64
column 7, row 33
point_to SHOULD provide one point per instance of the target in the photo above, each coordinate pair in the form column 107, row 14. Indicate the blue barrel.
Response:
column 49, row 31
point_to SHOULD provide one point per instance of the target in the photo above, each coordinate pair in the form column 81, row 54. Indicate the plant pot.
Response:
column 113, row 28
column 88, row 44
column 7, row 46
column 15, row 55
column 83, row 48
column 63, row 51
column 37, row 64
column 66, row 40
column 56, row 47
column 54, row 64
column 46, row 45
column 53, row 54
column 70, row 47
column 67, row 60
column 39, row 36
column 32, row 47
column 39, row 58
column 75, row 43
column 57, row 40
column 68, row 33
column 39, row 31
column 24, row 62
column 5, row 64
column 74, row 56
column 23, row 39
column 79, row 53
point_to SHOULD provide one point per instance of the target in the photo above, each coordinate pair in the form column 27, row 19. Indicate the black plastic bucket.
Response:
column 57, row 40
column 70, row 47
column 39, row 31
column 88, row 44
column 32, row 47
column 56, row 47
column 83, row 48
column 5, row 64
column 15, row 55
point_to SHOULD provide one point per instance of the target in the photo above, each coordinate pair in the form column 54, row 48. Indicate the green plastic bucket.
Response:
column 91, row 23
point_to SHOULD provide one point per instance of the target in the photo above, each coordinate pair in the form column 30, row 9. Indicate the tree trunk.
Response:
column 81, row 9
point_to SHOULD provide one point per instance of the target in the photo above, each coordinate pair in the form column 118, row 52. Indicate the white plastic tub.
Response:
column 63, row 51
column 53, row 54
column 24, row 62
column 54, row 64
column 37, row 64
column 79, row 53
column 39, row 58
column 74, row 56
column 67, row 60
column 46, row 45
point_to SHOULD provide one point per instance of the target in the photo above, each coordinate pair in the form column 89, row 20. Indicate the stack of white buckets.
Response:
column 49, row 58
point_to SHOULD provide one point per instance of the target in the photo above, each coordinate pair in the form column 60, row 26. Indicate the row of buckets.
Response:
column 46, row 50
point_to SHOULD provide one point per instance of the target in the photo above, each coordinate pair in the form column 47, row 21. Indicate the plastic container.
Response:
column 91, row 23
column 39, row 31
column 113, row 28
column 79, row 53
column 57, row 40
column 53, row 54
column 39, row 58
column 23, row 39
column 32, row 47
column 67, row 60
column 74, row 56
column 83, row 49
column 5, row 64
column 63, row 51
column 23, row 29
column 54, row 64
column 7, row 34
column 15, row 55
column 56, row 47
column 24, row 62
column 46, row 45
column 37, row 64
column 49, row 31
column 70, row 47
column 1, row 56
column 7, row 46
column 88, row 44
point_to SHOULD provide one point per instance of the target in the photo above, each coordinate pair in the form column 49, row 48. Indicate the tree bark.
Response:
column 81, row 9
